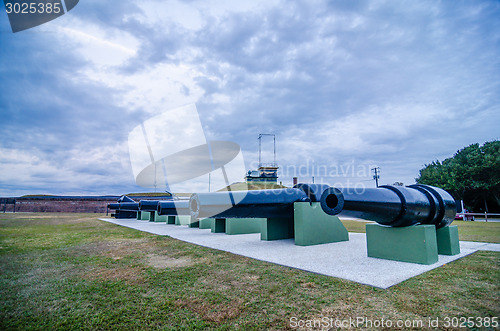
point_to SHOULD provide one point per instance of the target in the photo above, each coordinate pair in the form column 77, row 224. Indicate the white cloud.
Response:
column 102, row 47
column 377, row 82
column 80, row 170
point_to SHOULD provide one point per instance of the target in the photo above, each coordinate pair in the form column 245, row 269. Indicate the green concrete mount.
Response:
column 313, row 227
column 447, row 240
column 244, row 225
column 159, row 218
column 309, row 226
column 277, row 228
column 219, row 225
column 182, row 220
column 193, row 222
column 170, row 219
column 205, row 223
column 415, row 244
column 145, row 215
column 139, row 215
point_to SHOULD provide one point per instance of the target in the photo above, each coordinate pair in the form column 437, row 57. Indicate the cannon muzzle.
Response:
column 330, row 198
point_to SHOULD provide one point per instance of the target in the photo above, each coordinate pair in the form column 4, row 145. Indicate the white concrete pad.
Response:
column 346, row 260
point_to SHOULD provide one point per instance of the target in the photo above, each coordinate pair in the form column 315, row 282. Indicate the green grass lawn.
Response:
column 72, row 271
column 468, row 231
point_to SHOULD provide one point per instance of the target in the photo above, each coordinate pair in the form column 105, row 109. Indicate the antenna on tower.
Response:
column 260, row 148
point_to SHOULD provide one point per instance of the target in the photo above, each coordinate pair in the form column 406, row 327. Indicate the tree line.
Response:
column 471, row 175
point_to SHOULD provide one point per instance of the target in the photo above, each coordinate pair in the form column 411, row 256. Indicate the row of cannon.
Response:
column 395, row 206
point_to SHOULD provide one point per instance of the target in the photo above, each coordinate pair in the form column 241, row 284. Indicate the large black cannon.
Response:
column 387, row 205
column 125, row 207
column 128, row 206
column 277, row 203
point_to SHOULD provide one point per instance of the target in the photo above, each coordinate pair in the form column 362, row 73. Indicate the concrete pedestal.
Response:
column 277, row 228
column 313, row 227
column 309, row 226
column 170, row 219
column 145, row 215
column 447, row 240
column 159, row 218
column 206, row 223
column 182, row 219
column 244, row 225
column 193, row 222
column 219, row 225
column 415, row 244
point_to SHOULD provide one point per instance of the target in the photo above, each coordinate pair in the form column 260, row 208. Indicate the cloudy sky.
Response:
column 344, row 85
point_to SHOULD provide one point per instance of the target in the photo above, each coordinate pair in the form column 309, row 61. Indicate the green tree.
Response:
column 472, row 175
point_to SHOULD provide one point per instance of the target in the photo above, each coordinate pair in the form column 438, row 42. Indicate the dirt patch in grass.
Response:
column 163, row 262
column 115, row 249
column 129, row 275
column 212, row 312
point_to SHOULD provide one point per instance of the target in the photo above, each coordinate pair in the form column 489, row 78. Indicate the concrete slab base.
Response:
column 346, row 259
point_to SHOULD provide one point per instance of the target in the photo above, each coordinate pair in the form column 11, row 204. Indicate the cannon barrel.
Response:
column 173, row 208
column 114, row 206
column 401, row 206
column 124, row 206
column 131, row 206
column 275, row 203
column 242, row 204
column 148, row 205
